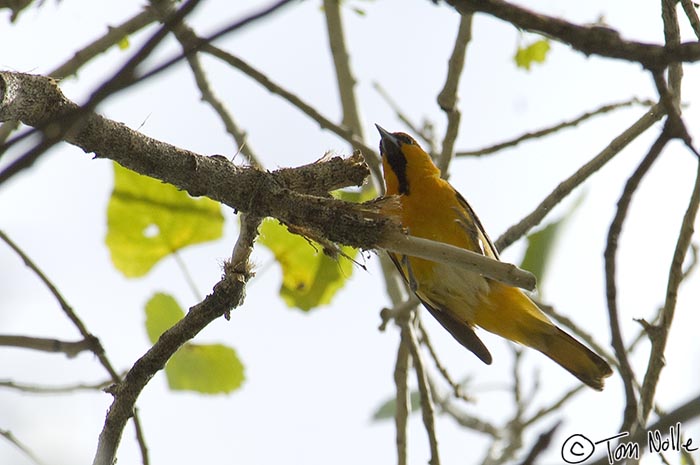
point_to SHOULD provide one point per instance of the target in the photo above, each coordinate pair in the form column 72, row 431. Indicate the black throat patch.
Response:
column 397, row 161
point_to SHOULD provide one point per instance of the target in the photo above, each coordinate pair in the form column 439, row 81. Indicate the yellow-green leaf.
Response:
column 148, row 220
column 162, row 312
column 309, row 277
column 536, row 52
column 123, row 43
column 208, row 369
column 388, row 409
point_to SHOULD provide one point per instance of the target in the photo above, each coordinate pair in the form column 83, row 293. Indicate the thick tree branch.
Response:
column 591, row 40
column 228, row 294
column 297, row 197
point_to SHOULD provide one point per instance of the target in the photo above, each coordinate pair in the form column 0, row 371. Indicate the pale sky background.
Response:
column 313, row 380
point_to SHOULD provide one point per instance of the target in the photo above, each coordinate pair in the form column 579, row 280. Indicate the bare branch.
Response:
column 242, row 188
column 403, row 402
column 113, row 35
column 659, row 334
column 540, row 445
column 69, row 389
column 565, row 187
column 630, row 414
column 71, row 349
column 228, row 293
column 16, row 442
column 690, row 11
column 403, row 117
column 341, row 61
column 447, row 98
column 94, row 344
column 426, row 395
column 590, row 40
column 345, row 133
column 54, row 130
column 188, row 39
column 552, row 129
column 395, row 241
column 425, row 340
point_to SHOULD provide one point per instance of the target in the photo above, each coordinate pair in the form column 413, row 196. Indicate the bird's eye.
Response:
column 404, row 138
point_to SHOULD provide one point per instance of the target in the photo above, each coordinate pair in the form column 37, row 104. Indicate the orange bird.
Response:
column 459, row 299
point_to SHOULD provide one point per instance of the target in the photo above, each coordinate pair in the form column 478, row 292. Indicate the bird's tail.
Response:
column 578, row 359
column 509, row 313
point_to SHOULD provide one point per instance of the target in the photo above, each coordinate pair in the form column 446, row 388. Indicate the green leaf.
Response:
column 310, row 278
column 123, row 43
column 162, row 312
column 388, row 409
column 536, row 52
column 541, row 243
column 148, row 220
column 208, row 369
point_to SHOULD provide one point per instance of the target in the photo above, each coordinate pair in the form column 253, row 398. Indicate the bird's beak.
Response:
column 389, row 141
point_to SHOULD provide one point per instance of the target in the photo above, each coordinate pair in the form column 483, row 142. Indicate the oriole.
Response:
column 459, row 299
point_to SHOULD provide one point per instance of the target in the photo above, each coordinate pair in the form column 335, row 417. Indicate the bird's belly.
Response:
column 450, row 287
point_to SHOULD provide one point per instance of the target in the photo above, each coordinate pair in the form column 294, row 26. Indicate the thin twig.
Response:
column 630, row 413
column 552, row 129
column 70, row 348
column 540, row 445
column 447, row 98
column 565, row 187
column 341, row 63
column 555, row 406
column 16, row 442
column 345, row 133
column 401, row 115
column 113, row 35
column 668, row 98
column 186, row 274
column 467, row 420
column 426, row 395
column 425, row 340
column 659, row 334
column 403, row 402
column 68, row 389
column 208, row 95
column 95, row 345
column 188, row 39
column 690, row 11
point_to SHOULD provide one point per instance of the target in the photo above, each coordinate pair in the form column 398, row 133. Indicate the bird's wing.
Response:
column 460, row 330
column 473, row 227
